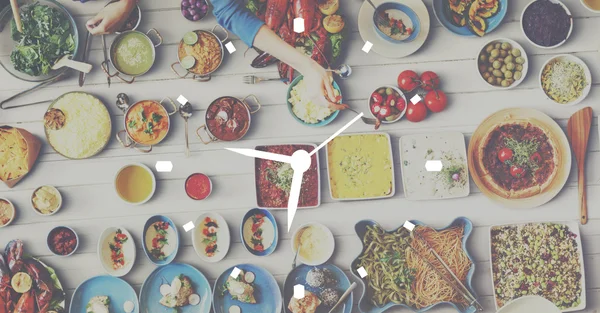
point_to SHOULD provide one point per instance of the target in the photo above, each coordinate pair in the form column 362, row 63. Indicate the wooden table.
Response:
column 91, row 203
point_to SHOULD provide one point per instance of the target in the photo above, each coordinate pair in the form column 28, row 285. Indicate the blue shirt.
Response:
column 233, row 15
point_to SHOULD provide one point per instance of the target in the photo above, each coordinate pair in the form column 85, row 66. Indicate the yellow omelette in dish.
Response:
column 360, row 166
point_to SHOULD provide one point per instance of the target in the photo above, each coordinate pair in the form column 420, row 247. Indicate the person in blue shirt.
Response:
column 233, row 15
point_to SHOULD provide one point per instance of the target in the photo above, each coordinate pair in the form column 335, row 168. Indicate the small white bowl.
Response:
column 514, row 44
column 586, row 70
column 48, row 239
column 151, row 175
column 60, row 201
column 399, row 92
column 329, row 241
column 587, row 7
column 14, row 212
column 558, row 44
column 104, row 252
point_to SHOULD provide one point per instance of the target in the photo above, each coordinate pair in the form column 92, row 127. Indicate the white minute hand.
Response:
column 262, row 155
column 336, row 133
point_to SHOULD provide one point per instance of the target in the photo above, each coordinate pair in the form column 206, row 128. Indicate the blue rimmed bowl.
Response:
column 406, row 13
column 365, row 306
column 323, row 122
column 172, row 239
column 442, row 13
column 246, row 234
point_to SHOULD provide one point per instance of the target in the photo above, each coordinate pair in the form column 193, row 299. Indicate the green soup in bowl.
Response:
column 133, row 53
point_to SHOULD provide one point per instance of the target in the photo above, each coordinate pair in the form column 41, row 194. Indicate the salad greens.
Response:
column 47, row 36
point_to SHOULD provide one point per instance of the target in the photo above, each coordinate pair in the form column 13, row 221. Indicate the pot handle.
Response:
column 202, row 79
column 255, row 100
column 157, row 34
column 177, row 73
column 211, row 139
column 104, row 66
column 172, row 104
column 223, row 29
column 135, row 146
column 127, row 142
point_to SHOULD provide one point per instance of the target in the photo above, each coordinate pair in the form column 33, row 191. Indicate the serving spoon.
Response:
column 76, row 65
column 185, row 110
column 578, row 130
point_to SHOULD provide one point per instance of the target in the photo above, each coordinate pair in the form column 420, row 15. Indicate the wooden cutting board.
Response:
column 578, row 130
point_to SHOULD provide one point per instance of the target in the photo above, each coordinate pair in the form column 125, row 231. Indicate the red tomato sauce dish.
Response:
column 198, row 186
column 274, row 179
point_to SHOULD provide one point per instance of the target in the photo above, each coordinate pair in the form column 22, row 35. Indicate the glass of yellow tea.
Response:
column 135, row 183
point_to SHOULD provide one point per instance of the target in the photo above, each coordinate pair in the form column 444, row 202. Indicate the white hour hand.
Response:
column 262, row 155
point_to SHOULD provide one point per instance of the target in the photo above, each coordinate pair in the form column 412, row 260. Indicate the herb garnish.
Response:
column 522, row 152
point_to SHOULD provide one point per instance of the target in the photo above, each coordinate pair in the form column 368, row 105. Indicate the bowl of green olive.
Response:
column 502, row 63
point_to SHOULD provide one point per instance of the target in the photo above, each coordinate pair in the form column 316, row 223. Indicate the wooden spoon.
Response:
column 15, row 9
column 76, row 65
column 578, row 130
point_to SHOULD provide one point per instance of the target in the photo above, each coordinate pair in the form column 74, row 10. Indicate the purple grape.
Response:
column 185, row 13
column 204, row 8
column 192, row 11
column 185, row 3
column 196, row 17
column 198, row 4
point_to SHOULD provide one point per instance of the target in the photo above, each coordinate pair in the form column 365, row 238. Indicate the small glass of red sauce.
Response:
column 63, row 241
column 198, row 186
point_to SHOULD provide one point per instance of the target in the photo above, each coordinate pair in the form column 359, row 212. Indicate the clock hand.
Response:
column 294, row 196
column 262, row 155
column 336, row 133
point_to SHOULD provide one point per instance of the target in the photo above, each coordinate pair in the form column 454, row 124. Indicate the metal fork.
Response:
column 251, row 79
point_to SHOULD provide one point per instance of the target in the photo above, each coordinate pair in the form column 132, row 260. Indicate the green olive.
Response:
column 498, row 73
column 489, row 48
column 519, row 67
column 498, row 80
column 520, row 60
column 508, row 74
column 496, row 64
column 495, row 53
column 504, row 83
column 510, row 66
column 506, row 46
column 490, row 69
column 491, row 80
column 381, row 91
column 487, row 75
column 516, row 52
column 517, row 75
column 503, row 53
column 491, row 59
column 389, row 91
column 498, row 45
column 503, row 68
column 509, row 59
column 483, row 57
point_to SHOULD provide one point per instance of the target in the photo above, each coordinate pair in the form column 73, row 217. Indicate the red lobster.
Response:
column 44, row 287
column 7, row 296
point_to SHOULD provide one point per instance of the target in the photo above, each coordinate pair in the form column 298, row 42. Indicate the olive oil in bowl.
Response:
column 135, row 183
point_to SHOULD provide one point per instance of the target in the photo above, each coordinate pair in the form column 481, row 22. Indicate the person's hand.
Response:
column 110, row 18
column 319, row 84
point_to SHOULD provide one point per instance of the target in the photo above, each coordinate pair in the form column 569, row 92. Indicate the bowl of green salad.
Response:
column 48, row 33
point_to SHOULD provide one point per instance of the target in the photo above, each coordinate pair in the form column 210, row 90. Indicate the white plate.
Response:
column 586, row 71
column 223, row 238
column 368, row 198
column 574, row 228
column 104, row 252
column 530, row 304
column 514, row 44
column 386, row 48
column 416, row 150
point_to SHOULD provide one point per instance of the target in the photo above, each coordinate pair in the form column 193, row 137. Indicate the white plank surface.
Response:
column 92, row 205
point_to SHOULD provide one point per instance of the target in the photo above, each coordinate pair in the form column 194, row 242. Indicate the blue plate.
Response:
column 365, row 305
column 324, row 122
column 440, row 8
column 150, row 293
column 115, row 288
column 416, row 23
column 267, row 214
column 149, row 222
column 266, row 292
column 298, row 276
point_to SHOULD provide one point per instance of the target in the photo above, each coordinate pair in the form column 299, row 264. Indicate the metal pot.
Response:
column 128, row 141
column 112, row 54
column 202, row 77
column 211, row 132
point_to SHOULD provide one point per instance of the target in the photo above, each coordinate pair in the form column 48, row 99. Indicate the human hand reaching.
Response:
column 110, row 18
column 319, row 84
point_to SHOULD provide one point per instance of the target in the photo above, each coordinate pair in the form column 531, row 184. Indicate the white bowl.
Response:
column 399, row 92
column 514, row 44
column 223, row 238
column 14, row 212
column 60, row 201
column 586, row 70
column 151, row 175
column 76, row 238
column 587, row 7
column 558, row 44
column 104, row 252
column 329, row 241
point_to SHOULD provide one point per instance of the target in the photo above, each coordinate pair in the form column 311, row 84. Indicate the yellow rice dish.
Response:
column 82, row 129
column 360, row 167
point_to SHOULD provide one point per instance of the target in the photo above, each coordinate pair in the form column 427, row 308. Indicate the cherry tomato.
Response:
column 536, row 157
column 400, row 104
column 385, row 112
column 416, row 112
column 505, row 154
column 436, row 100
column 430, row 80
column 376, row 97
column 517, row 172
column 408, row 80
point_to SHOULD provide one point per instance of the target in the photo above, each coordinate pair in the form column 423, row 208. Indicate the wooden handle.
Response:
column 583, row 211
column 79, row 66
column 16, row 15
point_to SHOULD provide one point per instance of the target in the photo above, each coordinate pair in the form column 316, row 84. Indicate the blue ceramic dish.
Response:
column 266, row 292
column 440, row 9
column 365, row 306
column 298, row 276
column 324, row 122
column 117, row 290
column 414, row 19
column 150, row 292
column 171, row 257
column 268, row 215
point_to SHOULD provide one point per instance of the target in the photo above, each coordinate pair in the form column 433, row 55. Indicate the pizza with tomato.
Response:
column 518, row 159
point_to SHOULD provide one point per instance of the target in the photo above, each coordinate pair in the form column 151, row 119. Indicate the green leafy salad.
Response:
column 47, row 36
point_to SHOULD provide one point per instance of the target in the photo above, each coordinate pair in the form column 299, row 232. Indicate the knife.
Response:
column 105, row 58
column 86, row 51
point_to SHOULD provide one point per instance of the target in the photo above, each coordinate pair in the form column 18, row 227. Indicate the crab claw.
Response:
column 14, row 256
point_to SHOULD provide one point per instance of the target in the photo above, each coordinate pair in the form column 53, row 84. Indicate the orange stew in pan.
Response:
column 147, row 122
column 228, row 119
